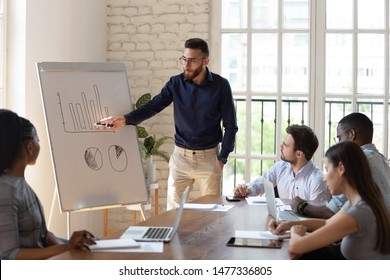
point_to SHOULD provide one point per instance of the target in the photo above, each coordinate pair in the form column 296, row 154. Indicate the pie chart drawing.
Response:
column 93, row 158
column 118, row 158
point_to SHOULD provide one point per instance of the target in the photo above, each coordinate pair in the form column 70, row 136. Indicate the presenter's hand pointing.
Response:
column 112, row 122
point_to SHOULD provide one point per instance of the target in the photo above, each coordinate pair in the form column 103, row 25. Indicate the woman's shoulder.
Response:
column 11, row 186
column 360, row 211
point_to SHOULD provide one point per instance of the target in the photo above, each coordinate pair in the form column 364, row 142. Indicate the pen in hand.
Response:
column 104, row 124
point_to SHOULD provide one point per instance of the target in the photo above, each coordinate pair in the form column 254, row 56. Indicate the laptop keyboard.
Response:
column 287, row 216
column 156, row 233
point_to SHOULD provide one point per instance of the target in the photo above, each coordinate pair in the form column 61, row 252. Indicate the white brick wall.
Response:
column 148, row 36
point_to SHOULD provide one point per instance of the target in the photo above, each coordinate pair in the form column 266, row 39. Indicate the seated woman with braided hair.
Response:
column 23, row 231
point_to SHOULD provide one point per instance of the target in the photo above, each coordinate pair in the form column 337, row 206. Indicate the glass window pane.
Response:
column 335, row 110
column 371, row 13
column 263, row 128
column 233, row 174
column 264, row 14
column 240, row 146
column 294, row 111
column 258, row 167
column 234, row 13
column 295, row 14
column 234, row 60
column 264, row 62
column 374, row 109
column 339, row 14
column 295, row 75
column 338, row 63
column 370, row 64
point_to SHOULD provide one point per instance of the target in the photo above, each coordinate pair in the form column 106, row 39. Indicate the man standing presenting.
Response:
column 201, row 101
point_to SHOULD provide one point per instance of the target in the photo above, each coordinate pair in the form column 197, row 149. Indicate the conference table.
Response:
column 201, row 235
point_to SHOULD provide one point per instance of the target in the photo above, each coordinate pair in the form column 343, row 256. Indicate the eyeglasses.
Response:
column 190, row 61
column 337, row 138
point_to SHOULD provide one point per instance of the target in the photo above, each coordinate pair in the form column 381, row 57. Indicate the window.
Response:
column 300, row 61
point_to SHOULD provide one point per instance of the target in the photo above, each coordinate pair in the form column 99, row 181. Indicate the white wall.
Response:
column 51, row 30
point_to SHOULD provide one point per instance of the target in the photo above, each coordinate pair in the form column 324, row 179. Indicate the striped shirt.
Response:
column 22, row 223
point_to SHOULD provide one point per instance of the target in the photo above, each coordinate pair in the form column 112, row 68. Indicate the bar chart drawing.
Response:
column 80, row 117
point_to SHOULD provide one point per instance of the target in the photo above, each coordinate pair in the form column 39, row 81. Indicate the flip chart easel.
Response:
column 94, row 168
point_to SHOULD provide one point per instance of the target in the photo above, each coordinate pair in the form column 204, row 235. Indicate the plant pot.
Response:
column 151, row 170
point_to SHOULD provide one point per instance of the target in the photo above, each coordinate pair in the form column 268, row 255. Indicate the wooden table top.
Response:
column 202, row 235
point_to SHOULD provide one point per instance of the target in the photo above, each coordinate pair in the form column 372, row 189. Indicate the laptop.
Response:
column 156, row 233
column 274, row 211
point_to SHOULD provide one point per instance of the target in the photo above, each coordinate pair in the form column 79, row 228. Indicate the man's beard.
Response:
column 194, row 74
column 292, row 161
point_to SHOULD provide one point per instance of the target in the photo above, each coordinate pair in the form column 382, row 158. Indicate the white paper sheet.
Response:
column 199, row 206
column 259, row 200
column 260, row 234
column 114, row 244
column 144, row 247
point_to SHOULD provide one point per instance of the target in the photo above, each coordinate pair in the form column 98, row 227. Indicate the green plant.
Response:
column 149, row 146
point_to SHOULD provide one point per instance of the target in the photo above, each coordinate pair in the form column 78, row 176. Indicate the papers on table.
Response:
column 113, row 244
column 223, row 207
column 144, row 247
column 259, row 200
column 128, row 245
column 208, row 207
column 199, row 206
column 262, row 234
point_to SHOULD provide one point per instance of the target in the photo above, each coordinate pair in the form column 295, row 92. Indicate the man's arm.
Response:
column 148, row 110
column 318, row 211
column 229, row 122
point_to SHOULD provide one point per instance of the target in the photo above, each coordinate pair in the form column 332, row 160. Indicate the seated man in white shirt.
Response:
column 359, row 128
column 296, row 174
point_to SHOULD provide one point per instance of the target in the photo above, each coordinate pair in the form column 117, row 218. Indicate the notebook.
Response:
column 107, row 244
column 200, row 206
column 155, row 233
column 273, row 210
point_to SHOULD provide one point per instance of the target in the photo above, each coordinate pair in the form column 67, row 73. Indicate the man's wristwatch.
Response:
column 301, row 206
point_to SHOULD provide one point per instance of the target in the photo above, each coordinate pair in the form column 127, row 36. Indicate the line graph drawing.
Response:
column 80, row 117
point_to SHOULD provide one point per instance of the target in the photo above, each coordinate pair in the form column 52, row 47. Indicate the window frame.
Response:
column 317, row 97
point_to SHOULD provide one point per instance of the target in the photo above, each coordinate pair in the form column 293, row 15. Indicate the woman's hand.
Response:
column 81, row 240
column 277, row 227
column 299, row 229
